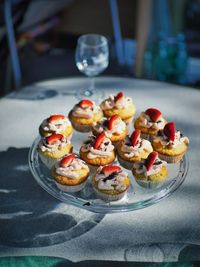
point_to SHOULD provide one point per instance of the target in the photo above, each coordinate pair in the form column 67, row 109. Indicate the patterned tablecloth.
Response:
column 34, row 223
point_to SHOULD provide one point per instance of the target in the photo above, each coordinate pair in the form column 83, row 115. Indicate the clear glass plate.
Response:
column 137, row 197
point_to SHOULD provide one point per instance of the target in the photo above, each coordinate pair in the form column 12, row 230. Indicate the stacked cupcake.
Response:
column 146, row 151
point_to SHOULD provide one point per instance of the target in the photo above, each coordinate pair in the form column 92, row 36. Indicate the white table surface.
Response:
column 34, row 223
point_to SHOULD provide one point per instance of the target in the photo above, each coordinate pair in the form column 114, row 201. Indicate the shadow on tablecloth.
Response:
column 30, row 217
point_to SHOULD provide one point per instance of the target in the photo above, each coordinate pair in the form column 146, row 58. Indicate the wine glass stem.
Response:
column 92, row 85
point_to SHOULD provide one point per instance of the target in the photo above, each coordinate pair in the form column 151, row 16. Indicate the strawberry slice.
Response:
column 108, row 170
column 170, row 130
column 151, row 159
column 154, row 114
column 55, row 117
column 85, row 103
column 54, row 138
column 135, row 137
column 66, row 161
column 119, row 97
column 112, row 121
column 99, row 140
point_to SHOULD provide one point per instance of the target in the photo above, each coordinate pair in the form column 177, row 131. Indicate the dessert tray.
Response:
column 137, row 197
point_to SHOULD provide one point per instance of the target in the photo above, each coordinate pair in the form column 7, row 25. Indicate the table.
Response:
column 34, row 223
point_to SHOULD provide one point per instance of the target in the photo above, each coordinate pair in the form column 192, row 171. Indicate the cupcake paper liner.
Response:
column 71, row 188
column 171, row 159
column 107, row 197
column 148, row 184
column 81, row 128
column 48, row 162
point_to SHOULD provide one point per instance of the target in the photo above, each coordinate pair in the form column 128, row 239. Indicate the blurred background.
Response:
column 151, row 39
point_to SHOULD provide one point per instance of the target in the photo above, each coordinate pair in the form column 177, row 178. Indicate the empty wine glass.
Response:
column 91, row 59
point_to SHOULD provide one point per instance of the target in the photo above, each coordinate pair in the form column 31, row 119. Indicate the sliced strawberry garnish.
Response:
column 55, row 117
column 170, row 130
column 108, row 170
column 119, row 97
column 151, row 159
column 112, row 121
column 85, row 103
column 154, row 114
column 66, row 161
column 54, row 138
column 135, row 137
column 99, row 140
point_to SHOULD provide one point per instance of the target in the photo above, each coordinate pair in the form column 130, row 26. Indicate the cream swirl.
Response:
column 140, row 167
column 71, row 170
column 134, row 151
column 114, row 181
column 105, row 149
column 87, row 112
column 145, row 121
column 110, row 103
column 164, row 140
column 118, row 128
column 58, row 145
column 56, row 126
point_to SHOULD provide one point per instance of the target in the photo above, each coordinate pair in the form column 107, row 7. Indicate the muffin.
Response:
column 133, row 148
column 170, row 143
column 56, row 124
column 151, row 172
column 52, row 148
column 110, row 183
column 98, row 151
column 84, row 114
column 113, row 127
column 149, row 123
column 120, row 105
column 70, row 173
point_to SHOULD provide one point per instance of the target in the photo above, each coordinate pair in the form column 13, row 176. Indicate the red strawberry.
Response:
column 170, row 130
column 108, row 170
column 99, row 140
column 151, row 159
column 135, row 137
column 112, row 121
column 53, row 139
column 119, row 97
column 85, row 103
column 154, row 114
column 55, row 117
column 66, row 161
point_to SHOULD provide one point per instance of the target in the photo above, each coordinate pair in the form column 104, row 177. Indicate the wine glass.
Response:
column 91, row 58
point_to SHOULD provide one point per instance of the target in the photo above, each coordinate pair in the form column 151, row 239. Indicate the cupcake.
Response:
column 84, row 114
column 70, row 173
column 52, row 148
column 170, row 143
column 110, row 183
column 150, row 172
column 56, row 124
column 98, row 151
column 120, row 105
column 133, row 148
column 113, row 127
column 149, row 123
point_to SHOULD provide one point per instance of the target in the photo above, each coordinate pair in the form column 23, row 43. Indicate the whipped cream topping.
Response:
column 59, row 145
column 70, row 171
column 56, row 126
column 110, row 103
column 134, row 151
column 87, row 112
column 145, row 121
column 105, row 150
column 164, row 140
column 118, row 128
column 114, row 181
column 140, row 167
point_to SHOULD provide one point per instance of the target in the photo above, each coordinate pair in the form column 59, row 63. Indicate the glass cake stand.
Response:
column 137, row 197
